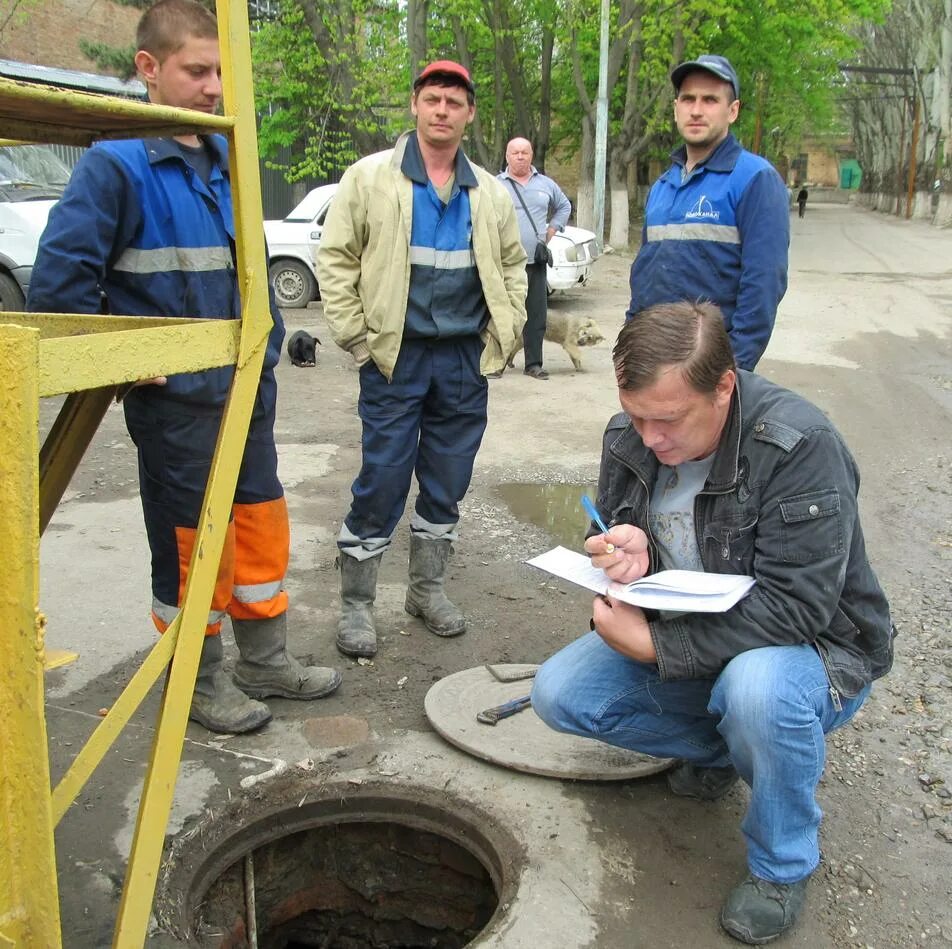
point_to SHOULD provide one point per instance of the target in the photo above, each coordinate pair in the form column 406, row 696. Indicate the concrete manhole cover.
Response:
column 523, row 741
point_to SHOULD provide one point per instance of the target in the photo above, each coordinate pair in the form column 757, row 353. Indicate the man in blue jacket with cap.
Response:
column 717, row 223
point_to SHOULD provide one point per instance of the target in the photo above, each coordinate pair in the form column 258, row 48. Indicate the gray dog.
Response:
column 571, row 332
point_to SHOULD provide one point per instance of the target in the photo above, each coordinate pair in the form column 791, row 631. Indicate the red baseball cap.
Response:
column 445, row 67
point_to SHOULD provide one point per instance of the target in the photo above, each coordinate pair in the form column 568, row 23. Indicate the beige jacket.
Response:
column 363, row 261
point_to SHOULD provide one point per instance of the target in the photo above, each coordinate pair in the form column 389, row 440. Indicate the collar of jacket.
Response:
column 163, row 149
column 407, row 157
column 723, row 158
column 630, row 450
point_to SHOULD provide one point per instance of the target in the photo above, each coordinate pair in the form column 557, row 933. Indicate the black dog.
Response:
column 302, row 349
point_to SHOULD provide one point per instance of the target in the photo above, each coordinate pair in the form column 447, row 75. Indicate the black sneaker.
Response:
column 703, row 784
column 758, row 911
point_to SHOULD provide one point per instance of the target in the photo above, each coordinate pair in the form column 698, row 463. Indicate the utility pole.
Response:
column 913, row 148
column 601, row 130
column 902, row 151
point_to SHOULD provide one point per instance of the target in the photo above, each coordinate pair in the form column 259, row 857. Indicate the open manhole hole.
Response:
column 381, row 869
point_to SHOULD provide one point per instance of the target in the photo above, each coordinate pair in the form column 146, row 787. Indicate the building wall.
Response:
column 822, row 167
column 818, row 162
column 47, row 32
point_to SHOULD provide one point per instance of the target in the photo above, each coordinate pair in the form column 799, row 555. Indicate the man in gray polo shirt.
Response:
column 541, row 209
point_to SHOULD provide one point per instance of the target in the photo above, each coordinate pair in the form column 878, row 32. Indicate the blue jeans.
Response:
column 766, row 714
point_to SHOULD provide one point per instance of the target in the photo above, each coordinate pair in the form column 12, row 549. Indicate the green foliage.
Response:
column 789, row 57
column 113, row 60
column 786, row 55
column 332, row 76
column 327, row 96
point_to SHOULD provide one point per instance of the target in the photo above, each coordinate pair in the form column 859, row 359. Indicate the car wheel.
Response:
column 11, row 296
column 294, row 285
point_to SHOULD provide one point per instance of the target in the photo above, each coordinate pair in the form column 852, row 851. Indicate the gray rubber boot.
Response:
column 266, row 668
column 356, row 635
column 425, row 596
column 216, row 703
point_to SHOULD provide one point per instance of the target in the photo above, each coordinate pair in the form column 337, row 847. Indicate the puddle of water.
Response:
column 555, row 508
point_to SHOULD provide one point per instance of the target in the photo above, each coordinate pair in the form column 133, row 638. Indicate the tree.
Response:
column 786, row 57
column 916, row 39
column 332, row 85
column 327, row 76
column 508, row 49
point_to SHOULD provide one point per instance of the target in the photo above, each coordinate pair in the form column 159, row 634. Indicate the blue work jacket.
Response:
column 720, row 234
column 138, row 227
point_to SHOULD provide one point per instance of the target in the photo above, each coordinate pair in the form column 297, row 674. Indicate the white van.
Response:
column 32, row 179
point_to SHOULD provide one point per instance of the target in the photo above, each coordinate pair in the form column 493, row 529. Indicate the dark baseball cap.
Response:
column 715, row 65
column 445, row 67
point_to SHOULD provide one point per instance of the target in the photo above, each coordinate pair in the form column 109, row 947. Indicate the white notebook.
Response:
column 688, row 591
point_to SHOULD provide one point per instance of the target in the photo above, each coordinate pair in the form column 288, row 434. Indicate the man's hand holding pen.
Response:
column 622, row 552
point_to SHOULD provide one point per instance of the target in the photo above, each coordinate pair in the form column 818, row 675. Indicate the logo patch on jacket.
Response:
column 703, row 209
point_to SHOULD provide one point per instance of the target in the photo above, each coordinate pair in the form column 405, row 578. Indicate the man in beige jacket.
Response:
column 422, row 274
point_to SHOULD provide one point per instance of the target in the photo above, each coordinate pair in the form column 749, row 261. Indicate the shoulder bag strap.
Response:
column 522, row 201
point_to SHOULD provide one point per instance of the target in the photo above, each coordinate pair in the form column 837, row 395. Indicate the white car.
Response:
column 292, row 244
column 573, row 252
column 32, row 179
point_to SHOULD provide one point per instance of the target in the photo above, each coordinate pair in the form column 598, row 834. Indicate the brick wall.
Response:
column 47, row 32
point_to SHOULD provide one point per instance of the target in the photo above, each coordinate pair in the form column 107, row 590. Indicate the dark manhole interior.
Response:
column 350, row 885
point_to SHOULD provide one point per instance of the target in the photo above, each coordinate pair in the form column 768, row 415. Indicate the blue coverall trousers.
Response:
column 176, row 443
column 428, row 420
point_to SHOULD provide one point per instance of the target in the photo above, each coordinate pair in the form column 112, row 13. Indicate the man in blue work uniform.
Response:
column 145, row 228
column 717, row 223
column 423, row 279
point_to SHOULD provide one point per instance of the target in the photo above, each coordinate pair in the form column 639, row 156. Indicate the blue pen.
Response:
column 593, row 514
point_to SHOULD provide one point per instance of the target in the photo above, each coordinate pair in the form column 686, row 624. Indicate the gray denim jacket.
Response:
column 780, row 504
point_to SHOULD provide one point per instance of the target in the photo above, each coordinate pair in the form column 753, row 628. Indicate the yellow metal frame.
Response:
column 90, row 358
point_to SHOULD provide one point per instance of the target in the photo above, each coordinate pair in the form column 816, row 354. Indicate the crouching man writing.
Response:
column 710, row 467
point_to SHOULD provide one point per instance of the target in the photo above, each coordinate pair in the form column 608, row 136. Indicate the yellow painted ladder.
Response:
column 88, row 358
